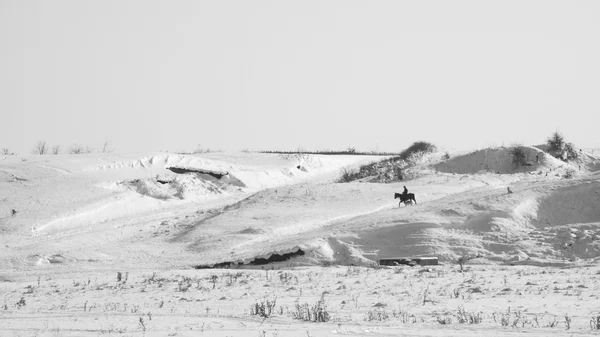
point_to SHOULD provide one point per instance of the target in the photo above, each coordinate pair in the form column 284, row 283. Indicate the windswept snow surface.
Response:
column 109, row 209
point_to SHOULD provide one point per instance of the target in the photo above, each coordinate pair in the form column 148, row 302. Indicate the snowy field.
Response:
column 109, row 244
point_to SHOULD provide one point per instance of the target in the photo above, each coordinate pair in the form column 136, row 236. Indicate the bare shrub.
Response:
column 377, row 315
column 263, row 308
column 503, row 318
column 519, row 158
column 184, row 283
column 595, row 322
column 6, row 152
column 314, row 313
column 80, row 149
column 40, row 148
column 463, row 316
column 76, row 149
column 347, row 175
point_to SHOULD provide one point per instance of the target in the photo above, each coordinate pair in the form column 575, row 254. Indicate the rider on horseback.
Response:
column 405, row 191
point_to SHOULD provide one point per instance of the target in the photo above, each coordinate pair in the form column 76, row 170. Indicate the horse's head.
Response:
column 397, row 195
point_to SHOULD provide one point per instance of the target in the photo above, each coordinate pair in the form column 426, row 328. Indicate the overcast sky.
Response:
column 376, row 75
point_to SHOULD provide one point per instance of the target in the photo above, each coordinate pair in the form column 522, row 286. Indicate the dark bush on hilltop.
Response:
column 556, row 142
column 570, row 152
column 417, row 147
column 561, row 149
column 519, row 158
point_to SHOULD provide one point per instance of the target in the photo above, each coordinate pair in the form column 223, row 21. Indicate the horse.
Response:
column 409, row 197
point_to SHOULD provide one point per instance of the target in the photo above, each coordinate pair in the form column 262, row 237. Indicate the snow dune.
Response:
column 137, row 211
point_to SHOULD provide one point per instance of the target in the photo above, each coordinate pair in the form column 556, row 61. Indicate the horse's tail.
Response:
column 415, row 199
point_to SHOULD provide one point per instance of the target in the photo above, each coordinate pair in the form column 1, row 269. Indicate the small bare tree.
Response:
column 40, row 148
column 6, row 152
column 106, row 148
column 56, row 149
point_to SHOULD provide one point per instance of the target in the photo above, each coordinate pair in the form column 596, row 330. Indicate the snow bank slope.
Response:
column 499, row 160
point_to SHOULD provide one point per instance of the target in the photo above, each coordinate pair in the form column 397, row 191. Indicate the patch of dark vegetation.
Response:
column 559, row 148
column 256, row 262
column 417, row 148
column 390, row 169
column 182, row 170
column 518, row 155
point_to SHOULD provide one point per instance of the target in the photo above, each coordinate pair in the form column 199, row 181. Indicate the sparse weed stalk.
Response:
column 285, row 278
column 444, row 320
column 315, row 313
column 353, row 271
column 404, row 317
column 153, row 279
column 595, row 322
column 503, row 318
column 552, row 323
column 232, row 278
column 263, row 308
column 213, row 280
column 462, row 316
column 377, row 315
column 355, row 300
column 184, row 283
column 142, row 324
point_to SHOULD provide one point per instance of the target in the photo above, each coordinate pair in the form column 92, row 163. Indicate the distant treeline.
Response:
column 334, row 153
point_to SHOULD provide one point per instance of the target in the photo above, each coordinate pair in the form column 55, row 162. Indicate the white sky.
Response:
column 377, row 75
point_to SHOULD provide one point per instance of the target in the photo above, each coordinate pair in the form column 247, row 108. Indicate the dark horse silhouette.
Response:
column 405, row 198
